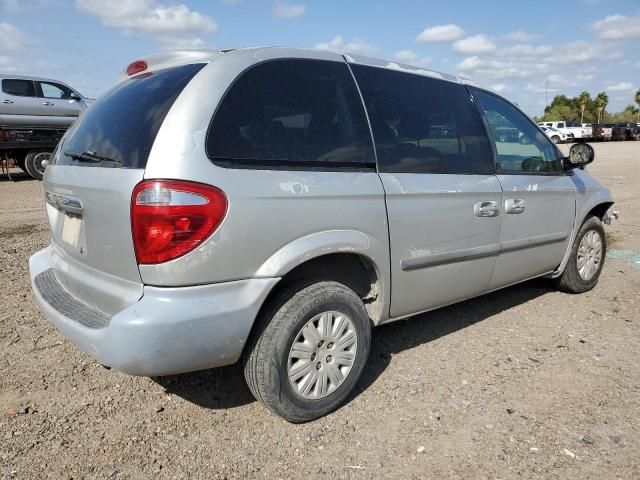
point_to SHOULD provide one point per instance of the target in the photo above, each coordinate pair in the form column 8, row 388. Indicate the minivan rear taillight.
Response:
column 170, row 218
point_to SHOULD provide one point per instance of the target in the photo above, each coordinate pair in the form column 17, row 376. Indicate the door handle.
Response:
column 486, row 209
column 48, row 104
column 514, row 205
column 7, row 102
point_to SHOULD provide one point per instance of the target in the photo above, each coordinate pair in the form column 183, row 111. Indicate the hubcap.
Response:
column 322, row 355
column 38, row 159
column 589, row 255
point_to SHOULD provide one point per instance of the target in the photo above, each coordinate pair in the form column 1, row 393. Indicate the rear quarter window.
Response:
column 292, row 114
column 124, row 122
column 19, row 88
column 422, row 124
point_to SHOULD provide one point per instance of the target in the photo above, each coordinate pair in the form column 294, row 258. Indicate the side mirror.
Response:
column 75, row 96
column 580, row 154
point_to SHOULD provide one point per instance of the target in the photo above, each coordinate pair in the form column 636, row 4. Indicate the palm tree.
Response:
column 637, row 98
column 583, row 100
column 601, row 104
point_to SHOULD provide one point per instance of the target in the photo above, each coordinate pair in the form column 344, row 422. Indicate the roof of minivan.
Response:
column 175, row 58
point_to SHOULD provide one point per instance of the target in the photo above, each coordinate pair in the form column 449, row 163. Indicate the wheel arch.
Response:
column 353, row 269
column 596, row 204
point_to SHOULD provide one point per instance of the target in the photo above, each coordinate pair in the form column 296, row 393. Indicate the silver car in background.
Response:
column 272, row 205
column 38, row 102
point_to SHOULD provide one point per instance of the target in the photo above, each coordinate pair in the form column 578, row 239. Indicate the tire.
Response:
column 555, row 139
column 574, row 279
column 289, row 319
column 33, row 163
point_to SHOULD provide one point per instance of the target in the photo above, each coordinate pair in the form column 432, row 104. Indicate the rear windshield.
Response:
column 122, row 125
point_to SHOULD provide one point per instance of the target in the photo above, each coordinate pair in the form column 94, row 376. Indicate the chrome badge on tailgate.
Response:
column 65, row 203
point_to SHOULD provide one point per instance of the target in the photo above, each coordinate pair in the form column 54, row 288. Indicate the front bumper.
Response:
column 167, row 331
column 610, row 215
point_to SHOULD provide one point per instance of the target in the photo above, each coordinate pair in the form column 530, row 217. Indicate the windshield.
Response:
column 122, row 125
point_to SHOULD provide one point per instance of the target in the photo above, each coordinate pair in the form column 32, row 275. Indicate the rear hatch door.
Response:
column 89, row 184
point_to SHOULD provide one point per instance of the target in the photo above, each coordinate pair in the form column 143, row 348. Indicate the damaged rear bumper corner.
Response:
column 168, row 330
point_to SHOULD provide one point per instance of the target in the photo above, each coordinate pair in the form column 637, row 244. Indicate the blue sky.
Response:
column 511, row 46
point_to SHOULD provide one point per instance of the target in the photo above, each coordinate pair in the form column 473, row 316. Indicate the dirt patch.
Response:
column 20, row 230
column 613, row 239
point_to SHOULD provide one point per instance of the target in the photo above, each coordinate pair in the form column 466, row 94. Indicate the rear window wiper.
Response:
column 90, row 157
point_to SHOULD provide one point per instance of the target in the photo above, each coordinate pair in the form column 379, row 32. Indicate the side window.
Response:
column 19, row 88
column 422, row 124
column 55, row 90
column 292, row 114
column 521, row 147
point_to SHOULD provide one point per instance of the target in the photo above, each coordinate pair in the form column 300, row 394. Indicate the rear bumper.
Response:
column 167, row 331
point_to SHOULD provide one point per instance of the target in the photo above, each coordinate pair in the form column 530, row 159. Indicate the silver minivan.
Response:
column 272, row 205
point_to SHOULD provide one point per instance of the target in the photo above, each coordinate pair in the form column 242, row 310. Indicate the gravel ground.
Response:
column 523, row 383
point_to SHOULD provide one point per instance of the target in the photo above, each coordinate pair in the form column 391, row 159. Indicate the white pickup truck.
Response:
column 574, row 131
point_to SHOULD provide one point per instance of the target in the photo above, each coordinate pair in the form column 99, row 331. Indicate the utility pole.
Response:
column 546, row 94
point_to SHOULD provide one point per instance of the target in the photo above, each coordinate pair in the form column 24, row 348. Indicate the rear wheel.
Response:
column 33, row 163
column 587, row 258
column 312, row 347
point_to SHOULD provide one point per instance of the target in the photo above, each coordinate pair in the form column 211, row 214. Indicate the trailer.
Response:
column 28, row 147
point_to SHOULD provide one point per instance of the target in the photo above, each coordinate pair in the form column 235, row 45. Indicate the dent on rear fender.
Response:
column 315, row 245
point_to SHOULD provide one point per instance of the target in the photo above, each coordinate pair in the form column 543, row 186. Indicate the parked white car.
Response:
column 556, row 136
column 575, row 130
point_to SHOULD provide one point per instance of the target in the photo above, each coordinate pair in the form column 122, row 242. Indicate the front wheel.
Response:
column 555, row 139
column 312, row 348
column 587, row 258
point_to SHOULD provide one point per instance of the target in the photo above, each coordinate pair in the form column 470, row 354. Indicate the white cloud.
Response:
column 522, row 36
column 167, row 24
column 471, row 63
column 287, row 10
column 6, row 64
column 581, row 51
column 177, row 43
column 499, row 87
column 491, row 68
column 585, row 77
column 411, row 58
column 440, row 33
column 337, row 43
column 474, row 44
column 620, row 87
column 17, row 6
column 540, row 88
column 12, row 38
column 520, row 49
column 615, row 27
